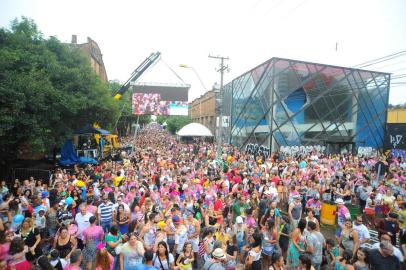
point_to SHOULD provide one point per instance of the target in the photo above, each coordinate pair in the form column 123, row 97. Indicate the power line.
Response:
column 393, row 64
column 380, row 58
column 384, row 60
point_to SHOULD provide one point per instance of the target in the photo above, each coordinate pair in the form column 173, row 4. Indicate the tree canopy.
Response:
column 47, row 89
column 174, row 123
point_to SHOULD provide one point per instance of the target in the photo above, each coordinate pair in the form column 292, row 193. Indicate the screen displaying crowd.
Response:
column 152, row 104
column 171, row 205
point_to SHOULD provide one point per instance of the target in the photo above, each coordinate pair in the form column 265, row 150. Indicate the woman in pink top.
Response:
column 5, row 240
column 92, row 236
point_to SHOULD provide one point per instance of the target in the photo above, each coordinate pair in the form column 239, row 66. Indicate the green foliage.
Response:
column 47, row 91
column 398, row 106
column 174, row 123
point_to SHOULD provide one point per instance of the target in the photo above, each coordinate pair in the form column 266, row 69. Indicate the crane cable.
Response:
column 173, row 71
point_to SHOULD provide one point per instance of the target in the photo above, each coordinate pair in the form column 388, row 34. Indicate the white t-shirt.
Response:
column 227, row 184
column 165, row 265
column 363, row 232
column 64, row 262
column 180, row 239
column 83, row 222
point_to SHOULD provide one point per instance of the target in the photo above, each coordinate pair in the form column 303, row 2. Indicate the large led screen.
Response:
column 152, row 104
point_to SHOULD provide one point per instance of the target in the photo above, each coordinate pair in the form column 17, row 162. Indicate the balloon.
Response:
column 161, row 224
column 17, row 219
column 69, row 201
column 80, row 183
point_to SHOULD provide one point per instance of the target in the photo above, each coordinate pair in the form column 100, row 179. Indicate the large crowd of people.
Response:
column 172, row 205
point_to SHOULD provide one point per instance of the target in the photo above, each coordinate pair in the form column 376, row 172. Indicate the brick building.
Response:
column 203, row 110
column 92, row 51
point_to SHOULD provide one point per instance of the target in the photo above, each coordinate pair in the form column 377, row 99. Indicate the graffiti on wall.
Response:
column 302, row 150
column 395, row 153
column 395, row 140
column 394, row 136
column 255, row 149
column 366, row 151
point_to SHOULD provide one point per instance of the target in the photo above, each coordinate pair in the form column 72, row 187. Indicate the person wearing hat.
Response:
column 45, row 199
column 180, row 235
column 241, row 233
column 218, row 257
column 342, row 215
column 40, row 221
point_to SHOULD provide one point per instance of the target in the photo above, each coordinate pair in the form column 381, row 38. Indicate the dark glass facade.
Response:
column 286, row 102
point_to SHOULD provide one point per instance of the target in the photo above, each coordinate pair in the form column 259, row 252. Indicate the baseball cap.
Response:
column 239, row 220
column 176, row 219
column 44, row 194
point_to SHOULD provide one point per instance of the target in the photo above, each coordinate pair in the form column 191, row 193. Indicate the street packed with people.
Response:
column 172, row 205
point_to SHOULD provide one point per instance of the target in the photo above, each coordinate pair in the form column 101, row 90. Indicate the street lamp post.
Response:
column 201, row 82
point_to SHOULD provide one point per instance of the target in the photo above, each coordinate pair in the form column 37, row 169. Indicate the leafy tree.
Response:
column 48, row 90
column 174, row 123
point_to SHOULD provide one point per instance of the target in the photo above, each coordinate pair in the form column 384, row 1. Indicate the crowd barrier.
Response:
column 25, row 173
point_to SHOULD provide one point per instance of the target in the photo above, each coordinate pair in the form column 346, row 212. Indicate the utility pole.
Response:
column 221, row 69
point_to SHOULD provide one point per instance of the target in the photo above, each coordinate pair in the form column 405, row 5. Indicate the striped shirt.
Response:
column 106, row 211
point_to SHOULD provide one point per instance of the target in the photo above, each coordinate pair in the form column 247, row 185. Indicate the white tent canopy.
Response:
column 195, row 130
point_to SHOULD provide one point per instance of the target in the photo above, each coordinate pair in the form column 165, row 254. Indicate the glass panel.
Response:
column 286, row 82
column 290, row 135
column 337, row 103
column 301, row 70
column 279, row 114
column 312, row 68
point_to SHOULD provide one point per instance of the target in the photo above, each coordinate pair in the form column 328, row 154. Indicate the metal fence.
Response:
column 25, row 173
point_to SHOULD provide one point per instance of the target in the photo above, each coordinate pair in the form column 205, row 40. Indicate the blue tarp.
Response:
column 87, row 160
column 102, row 131
column 68, row 154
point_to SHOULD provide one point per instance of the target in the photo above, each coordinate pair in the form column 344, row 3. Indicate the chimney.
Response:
column 74, row 39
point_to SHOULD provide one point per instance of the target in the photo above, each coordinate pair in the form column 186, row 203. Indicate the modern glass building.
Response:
column 285, row 102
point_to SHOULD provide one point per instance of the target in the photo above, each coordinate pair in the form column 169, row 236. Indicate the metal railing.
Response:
column 26, row 173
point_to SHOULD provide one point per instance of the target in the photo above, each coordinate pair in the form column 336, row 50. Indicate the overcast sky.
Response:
column 248, row 32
